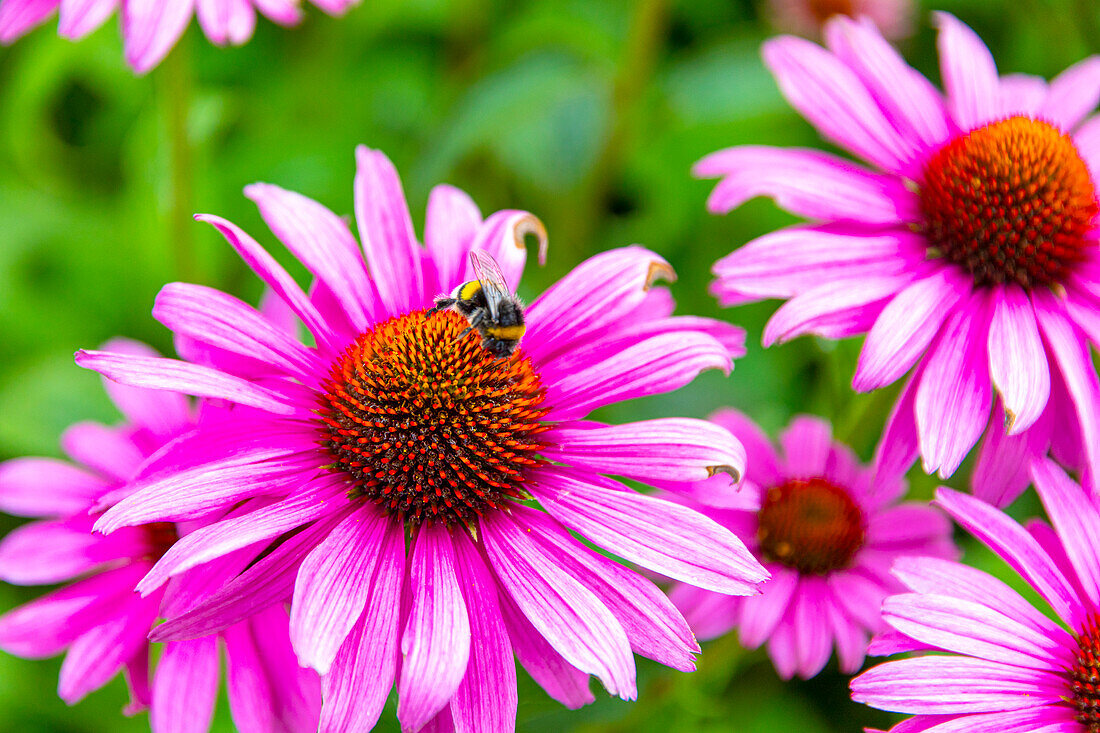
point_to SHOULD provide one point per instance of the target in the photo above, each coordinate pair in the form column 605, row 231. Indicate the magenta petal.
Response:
column 564, row 612
column 363, row 672
column 503, row 234
column 1002, row 470
column 19, row 16
column 45, row 487
column 41, row 553
column 1074, row 516
column 185, row 687
column 150, row 29
column 832, row 98
column 664, row 450
column 449, row 228
column 761, row 614
column 904, row 330
column 222, row 321
column 105, row 449
column 332, row 586
column 386, row 231
column 436, row 640
column 950, row 684
column 324, row 244
column 807, row 444
column 94, row 658
column 226, row 21
column 671, row 539
column 1022, row 94
column 809, row 183
column 969, row 73
column 163, row 413
column 812, row 631
column 180, row 376
column 560, row 679
column 78, row 18
column 487, row 697
column 766, row 468
column 1019, row 549
column 837, row 307
column 954, row 396
column 1017, row 360
column 1073, row 94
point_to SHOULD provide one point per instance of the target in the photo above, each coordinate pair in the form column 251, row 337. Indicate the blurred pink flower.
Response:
column 395, row 424
column 828, row 531
column 1009, row 667
column 894, row 18
column 98, row 619
column 150, row 28
column 967, row 251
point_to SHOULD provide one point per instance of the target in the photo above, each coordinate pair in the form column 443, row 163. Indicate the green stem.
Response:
column 175, row 89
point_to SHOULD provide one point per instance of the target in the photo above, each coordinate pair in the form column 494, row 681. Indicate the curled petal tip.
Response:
column 659, row 270
column 730, row 471
column 531, row 224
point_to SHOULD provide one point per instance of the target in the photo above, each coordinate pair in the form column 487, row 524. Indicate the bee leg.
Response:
column 475, row 320
column 441, row 304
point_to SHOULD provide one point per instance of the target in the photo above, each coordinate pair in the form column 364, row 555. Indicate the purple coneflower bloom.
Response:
column 99, row 620
column 150, row 28
column 966, row 249
column 808, row 17
column 828, row 530
column 395, row 424
column 1012, row 668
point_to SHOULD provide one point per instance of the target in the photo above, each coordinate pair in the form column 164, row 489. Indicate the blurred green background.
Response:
column 587, row 112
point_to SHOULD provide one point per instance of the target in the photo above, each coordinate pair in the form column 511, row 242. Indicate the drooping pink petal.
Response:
column 808, row 183
column 150, row 28
column 284, row 12
column 363, row 672
column 107, row 450
column 905, row 328
column 185, row 687
column 664, row 450
column 1074, row 517
column 19, row 16
column 954, row 395
column 1073, row 94
column 78, row 18
column 807, row 443
column 487, row 698
column 42, row 553
column 386, row 232
column 503, row 234
column 969, row 73
column 332, row 587
column 449, row 228
column 289, row 695
column 1002, row 470
column 761, row 614
column 812, row 631
column 831, row 97
column 436, row 639
column 1023, row 554
column 226, row 21
column 563, row 611
column 1017, row 360
column 45, row 487
column 667, row 538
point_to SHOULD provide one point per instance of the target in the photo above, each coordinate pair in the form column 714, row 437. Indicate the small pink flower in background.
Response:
column 966, row 250
column 98, row 620
column 894, row 18
column 150, row 28
column 828, row 531
column 1008, row 666
column 395, row 424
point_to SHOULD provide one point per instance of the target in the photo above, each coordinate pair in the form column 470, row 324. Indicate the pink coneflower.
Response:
column 894, row 18
column 393, row 426
column 966, row 251
column 150, row 28
column 1011, row 668
column 828, row 531
column 98, row 620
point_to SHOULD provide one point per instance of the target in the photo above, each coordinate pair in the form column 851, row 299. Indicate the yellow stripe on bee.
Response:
column 507, row 333
column 468, row 290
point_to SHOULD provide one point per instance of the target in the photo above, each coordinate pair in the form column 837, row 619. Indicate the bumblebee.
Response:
column 489, row 305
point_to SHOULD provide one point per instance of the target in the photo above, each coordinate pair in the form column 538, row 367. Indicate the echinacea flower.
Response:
column 1000, row 663
column 99, row 620
column 894, row 18
column 398, row 423
column 150, row 28
column 965, row 249
column 828, row 530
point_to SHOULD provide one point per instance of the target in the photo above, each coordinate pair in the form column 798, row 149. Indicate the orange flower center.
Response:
column 812, row 526
column 1010, row 202
column 822, row 10
column 1085, row 677
column 429, row 425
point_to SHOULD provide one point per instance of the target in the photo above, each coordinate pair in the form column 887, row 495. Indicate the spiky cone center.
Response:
column 430, row 426
column 1084, row 682
column 1010, row 202
column 810, row 525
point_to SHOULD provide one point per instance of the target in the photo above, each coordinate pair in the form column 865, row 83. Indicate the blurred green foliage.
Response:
column 587, row 112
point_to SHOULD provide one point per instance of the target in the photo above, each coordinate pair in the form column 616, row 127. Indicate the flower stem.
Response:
column 176, row 89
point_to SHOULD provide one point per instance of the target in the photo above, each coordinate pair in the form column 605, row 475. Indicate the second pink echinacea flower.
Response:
column 396, row 424
column 965, row 248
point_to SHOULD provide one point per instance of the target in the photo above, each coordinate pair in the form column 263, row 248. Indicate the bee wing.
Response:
column 488, row 273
